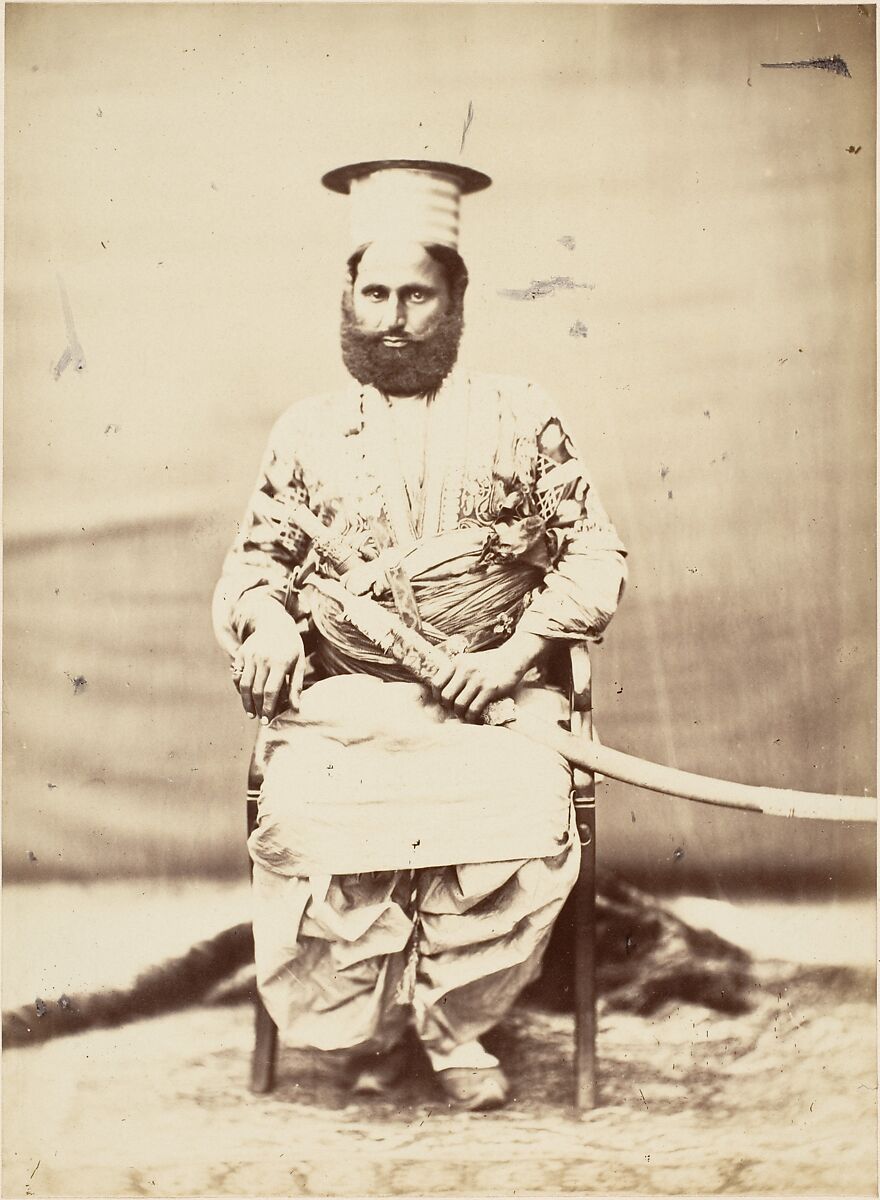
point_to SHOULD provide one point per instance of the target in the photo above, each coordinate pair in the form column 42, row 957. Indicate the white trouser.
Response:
column 345, row 962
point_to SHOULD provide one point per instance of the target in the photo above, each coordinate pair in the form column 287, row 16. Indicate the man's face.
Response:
column 400, row 292
column 401, row 326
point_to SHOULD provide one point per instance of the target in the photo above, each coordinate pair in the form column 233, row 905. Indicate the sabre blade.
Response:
column 424, row 660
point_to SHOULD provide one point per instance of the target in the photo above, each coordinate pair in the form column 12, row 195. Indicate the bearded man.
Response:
column 409, row 861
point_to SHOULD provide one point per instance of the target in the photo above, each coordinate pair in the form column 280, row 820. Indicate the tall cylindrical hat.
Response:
column 405, row 200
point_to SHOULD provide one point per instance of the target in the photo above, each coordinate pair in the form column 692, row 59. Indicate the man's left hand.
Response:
column 474, row 680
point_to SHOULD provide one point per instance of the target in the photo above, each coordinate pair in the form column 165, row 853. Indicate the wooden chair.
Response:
column 575, row 675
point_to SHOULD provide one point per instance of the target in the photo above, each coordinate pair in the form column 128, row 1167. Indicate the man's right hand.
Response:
column 264, row 660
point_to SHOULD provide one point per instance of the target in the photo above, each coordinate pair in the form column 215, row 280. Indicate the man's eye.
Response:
column 417, row 294
column 375, row 293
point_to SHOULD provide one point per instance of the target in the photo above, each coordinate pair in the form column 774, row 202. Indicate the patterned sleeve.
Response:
column 267, row 549
column 582, row 589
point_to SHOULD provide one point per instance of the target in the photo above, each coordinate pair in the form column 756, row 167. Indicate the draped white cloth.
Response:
column 334, row 955
column 377, row 776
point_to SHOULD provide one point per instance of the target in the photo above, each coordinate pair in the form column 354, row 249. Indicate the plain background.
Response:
column 164, row 161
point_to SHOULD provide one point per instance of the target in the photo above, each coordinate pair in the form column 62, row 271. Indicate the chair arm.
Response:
column 581, row 716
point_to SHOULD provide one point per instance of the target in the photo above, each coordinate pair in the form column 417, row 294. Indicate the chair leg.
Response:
column 586, row 1085
column 265, row 1053
column 265, row 1050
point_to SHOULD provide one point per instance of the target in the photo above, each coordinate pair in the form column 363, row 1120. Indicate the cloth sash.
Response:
column 471, row 584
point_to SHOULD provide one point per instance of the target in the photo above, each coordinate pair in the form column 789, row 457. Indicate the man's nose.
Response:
column 399, row 313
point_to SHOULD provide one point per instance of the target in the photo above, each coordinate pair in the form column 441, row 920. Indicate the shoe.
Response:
column 475, row 1089
column 377, row 1073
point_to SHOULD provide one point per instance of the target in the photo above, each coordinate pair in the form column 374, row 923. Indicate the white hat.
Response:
column 405, row 200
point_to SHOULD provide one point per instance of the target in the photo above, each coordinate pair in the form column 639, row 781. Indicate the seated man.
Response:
column 409, row 861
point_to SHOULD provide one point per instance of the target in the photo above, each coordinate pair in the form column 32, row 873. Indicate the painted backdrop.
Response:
column 701, row 228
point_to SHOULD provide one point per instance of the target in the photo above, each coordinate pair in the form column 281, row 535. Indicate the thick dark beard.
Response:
column 411, row 370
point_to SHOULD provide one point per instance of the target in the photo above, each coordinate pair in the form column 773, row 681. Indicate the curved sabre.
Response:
column 424, row 660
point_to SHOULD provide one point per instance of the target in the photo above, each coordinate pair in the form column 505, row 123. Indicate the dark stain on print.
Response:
column 835, row 64
column 579, row 329
column 467, row 124
column 73, row 352
column 544, row 287
column 79, row 682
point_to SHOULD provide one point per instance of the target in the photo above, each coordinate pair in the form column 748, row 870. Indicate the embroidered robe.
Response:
column 495, row 524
